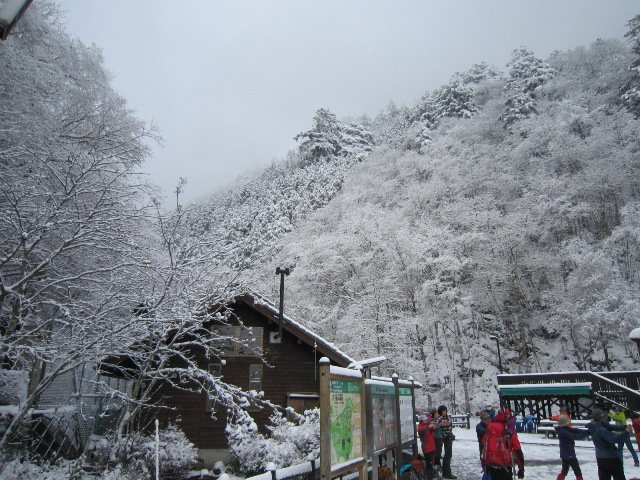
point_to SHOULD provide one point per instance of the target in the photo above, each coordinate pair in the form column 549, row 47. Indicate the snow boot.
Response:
column 561, row 476
column 578, row 478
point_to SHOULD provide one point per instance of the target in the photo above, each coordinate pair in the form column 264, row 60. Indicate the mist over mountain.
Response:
column 504, row 203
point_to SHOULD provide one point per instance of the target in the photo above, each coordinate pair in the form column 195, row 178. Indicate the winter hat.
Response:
column 441, row 409
column 499, row 417
column 507, row 412
column 597, row 414
column 422, row 418
column 485, row 416
column 563, row 421
column 433, row 410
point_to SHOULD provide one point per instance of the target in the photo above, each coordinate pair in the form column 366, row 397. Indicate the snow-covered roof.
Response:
column 369, row 362
column 635, row 334
column 548, row 385
column 346, row 372
column 401, row 382
column 297, row 329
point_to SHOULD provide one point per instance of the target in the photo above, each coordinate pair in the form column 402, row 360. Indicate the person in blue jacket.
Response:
column 567, row 437
column 481, row 429
column 606, row 442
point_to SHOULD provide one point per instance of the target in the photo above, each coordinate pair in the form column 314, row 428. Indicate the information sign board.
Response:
column 407, row 417
column 383, row 408
column 346, row 420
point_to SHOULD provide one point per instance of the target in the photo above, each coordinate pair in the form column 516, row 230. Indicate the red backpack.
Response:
column 496, row 450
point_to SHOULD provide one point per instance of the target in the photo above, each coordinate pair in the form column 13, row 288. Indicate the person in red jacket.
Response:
column 426, row 429
column 499, row 451
column 635, row 423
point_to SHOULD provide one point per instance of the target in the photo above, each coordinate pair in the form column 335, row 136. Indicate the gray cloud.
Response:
column 231, row 82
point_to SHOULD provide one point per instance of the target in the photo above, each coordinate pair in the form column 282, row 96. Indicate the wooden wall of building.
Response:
column 292, row 368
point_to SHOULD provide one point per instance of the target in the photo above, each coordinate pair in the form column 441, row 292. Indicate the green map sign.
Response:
column 346, row 420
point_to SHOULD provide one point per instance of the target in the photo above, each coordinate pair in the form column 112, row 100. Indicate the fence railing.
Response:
column 305, row 471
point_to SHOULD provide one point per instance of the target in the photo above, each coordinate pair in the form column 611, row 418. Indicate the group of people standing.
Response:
column 610, row 440
column 436, row 435
column 501, row 452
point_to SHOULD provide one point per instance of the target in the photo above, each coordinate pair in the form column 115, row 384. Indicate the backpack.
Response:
column 496, row 450
column 385, row 473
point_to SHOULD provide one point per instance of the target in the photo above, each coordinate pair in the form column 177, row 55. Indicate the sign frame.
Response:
column 349, row 417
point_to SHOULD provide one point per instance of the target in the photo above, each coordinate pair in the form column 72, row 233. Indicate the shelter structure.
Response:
column 543, row 394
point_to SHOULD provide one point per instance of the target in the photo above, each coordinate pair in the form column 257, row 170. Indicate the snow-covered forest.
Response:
column 503, row 203
column 506, row 202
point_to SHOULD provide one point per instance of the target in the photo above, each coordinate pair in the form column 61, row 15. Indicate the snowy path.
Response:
column 541, row 456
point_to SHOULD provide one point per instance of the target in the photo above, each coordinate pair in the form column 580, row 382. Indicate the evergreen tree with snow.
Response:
column 323, row 140
column 479, row 72
column 527, row 74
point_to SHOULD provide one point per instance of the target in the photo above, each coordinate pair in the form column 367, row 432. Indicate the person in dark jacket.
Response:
column 567, row 437
column 481, row 429
column 444, row 422
column 606, row 440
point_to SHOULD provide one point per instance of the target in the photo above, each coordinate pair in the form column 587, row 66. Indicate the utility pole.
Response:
column 494, row 337
column 282, row 272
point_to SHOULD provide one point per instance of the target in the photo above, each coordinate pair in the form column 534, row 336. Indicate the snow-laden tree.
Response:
column 91, row 270
column 527, row 73
column 529, row 237
column 479, row 72
column 390, row 125
column 72, row 227
column 452, row 100
column 323, row 139
column 330, row 138
column 631, row 93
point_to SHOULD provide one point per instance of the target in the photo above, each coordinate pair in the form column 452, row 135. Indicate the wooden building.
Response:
column 289, row 377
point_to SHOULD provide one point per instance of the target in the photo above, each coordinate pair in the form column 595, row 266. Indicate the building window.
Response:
column 255, row 384
column 211, row 404
column 255, row 378
column 303, row 401
column 239, row 341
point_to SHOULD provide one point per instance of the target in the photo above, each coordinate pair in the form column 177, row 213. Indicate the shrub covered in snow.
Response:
column 291, row 442
column 32, row 469
column 134, row 456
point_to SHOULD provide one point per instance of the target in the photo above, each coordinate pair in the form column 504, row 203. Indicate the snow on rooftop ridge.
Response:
column 546, row 385
column 401, row 381
column 345, row 372
column 573, row 372
column 259, row 299
column 375, row 361
column 371, row 381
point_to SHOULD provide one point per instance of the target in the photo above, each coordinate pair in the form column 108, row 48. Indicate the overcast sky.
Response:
column 230, row 83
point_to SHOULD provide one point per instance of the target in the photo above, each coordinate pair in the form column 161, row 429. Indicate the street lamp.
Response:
column 10, row 13
column 282, row 272
column 493, row 337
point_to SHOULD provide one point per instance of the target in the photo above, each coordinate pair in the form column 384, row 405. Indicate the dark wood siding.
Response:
column 291, row 367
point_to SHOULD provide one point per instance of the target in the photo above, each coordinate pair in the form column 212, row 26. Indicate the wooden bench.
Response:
column 461, row 421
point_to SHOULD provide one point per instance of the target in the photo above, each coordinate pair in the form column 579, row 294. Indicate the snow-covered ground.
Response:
column 541, row 457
